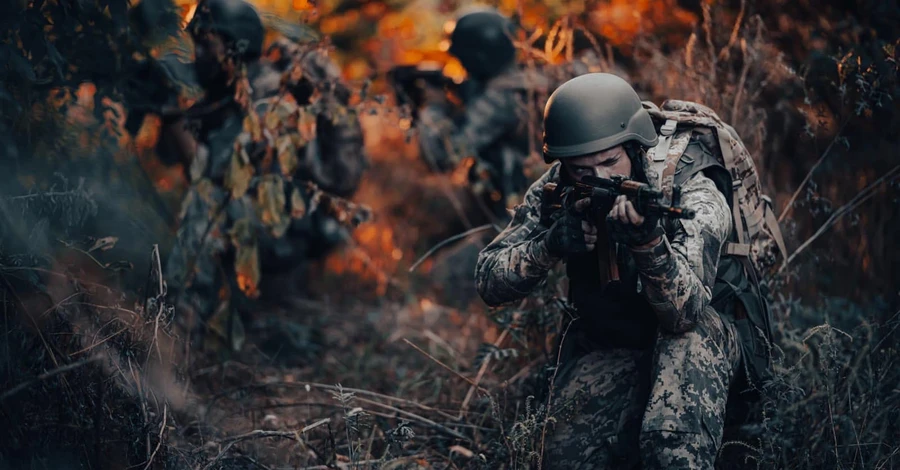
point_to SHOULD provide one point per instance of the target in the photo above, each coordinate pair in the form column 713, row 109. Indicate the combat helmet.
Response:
column 482, row 41
column 594, row 112
column 236, row 20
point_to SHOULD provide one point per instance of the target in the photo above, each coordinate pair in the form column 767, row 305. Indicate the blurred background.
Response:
column 384, row 367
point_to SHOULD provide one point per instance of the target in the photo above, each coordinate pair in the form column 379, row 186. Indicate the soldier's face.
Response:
column 604, row 164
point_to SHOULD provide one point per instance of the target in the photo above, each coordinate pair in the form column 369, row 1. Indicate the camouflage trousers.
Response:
column 660, row 409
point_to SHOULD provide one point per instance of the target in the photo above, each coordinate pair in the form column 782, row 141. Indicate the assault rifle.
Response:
column 409, row 82
column 603, row 193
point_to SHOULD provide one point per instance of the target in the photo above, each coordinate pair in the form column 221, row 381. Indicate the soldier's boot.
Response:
column 691, row 375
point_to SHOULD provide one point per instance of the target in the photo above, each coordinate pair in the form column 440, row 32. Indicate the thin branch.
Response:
column 790, row 204
column 47, row 375
column 445, row 366
column 415, row 417
column 162, row 429
column 550, row 392
column 726, row 51
column 448, row 241
column 481, row 371
column 294, row 436
column 860, row 198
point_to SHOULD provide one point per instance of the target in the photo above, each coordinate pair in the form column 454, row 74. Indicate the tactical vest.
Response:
column 612, row 314
column 615, row 315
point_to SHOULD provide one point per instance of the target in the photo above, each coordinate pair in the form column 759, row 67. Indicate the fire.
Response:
column 247, row 286
column 621, row 21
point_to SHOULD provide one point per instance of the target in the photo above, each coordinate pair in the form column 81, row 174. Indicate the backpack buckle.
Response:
column 668, row 128
column 737, row 249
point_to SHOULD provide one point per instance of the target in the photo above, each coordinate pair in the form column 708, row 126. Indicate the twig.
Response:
column 445, row 366
column 294, row 436
column 85, row 253
column 550, row 392
column 741, row 82
column 707, row 28
column 726, row 51
column 860, row 198
column 471, row 392
column 790, row 204
column 415, row 417
column 162, row 429
column 47, row 375
column 448, row 241
column 339, row 465
column 356, row 391
column 155, row 266
column 100, row 342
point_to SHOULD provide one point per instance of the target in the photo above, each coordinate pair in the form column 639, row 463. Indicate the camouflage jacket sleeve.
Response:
column 678, row 274
column 488, row 117
column 517, row 261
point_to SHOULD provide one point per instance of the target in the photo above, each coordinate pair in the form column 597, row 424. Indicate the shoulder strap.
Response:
column 660, row 153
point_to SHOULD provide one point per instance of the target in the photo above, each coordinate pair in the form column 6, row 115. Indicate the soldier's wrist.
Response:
column 541, row 253
column 652, row 257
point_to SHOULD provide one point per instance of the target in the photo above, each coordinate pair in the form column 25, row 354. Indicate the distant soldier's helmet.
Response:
column 236, row 21
column 482, row 41
column 594, row 112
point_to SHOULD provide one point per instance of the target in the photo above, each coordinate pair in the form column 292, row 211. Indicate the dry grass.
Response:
column 403, row 370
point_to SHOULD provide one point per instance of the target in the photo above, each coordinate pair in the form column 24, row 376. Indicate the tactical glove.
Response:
column 634, row 235
column 570, row 234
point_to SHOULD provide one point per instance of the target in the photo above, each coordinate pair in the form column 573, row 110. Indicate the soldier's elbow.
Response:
column 484, row 285
column 485, row 292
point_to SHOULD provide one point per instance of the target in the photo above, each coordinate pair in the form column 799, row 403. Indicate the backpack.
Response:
column 694, row 139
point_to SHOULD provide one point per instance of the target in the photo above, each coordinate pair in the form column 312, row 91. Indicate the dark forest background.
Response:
column 407, row 370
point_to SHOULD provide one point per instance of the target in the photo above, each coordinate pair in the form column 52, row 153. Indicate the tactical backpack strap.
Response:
column 775, row 230
column 742, row 246
column 660, row 153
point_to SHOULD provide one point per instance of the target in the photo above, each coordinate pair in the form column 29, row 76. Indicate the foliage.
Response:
column 92, row 368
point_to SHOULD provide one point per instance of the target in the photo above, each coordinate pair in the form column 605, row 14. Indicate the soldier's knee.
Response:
column 662, row 449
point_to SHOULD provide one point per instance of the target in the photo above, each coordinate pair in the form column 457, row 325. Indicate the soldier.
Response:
column 494, row 126
column 647, row 362
column 251, row 144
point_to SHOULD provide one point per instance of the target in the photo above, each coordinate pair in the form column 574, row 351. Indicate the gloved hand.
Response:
column 571, row 234
column 628, row 227
column 550, row 205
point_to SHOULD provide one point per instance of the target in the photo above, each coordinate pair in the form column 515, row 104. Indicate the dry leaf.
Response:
column 252, row 125
column 287, row 155
column 104, row 244
column 246, row 262
column 298, row 205
column 462, row 451
column 239, row 175
column 271, row 205
column 306, row 125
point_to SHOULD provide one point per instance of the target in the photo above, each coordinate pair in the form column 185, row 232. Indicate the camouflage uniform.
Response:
column 249, row 207
column 655, row 360
column 496, row 128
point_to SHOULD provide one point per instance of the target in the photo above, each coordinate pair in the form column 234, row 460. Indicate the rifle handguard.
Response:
column 603, row 192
